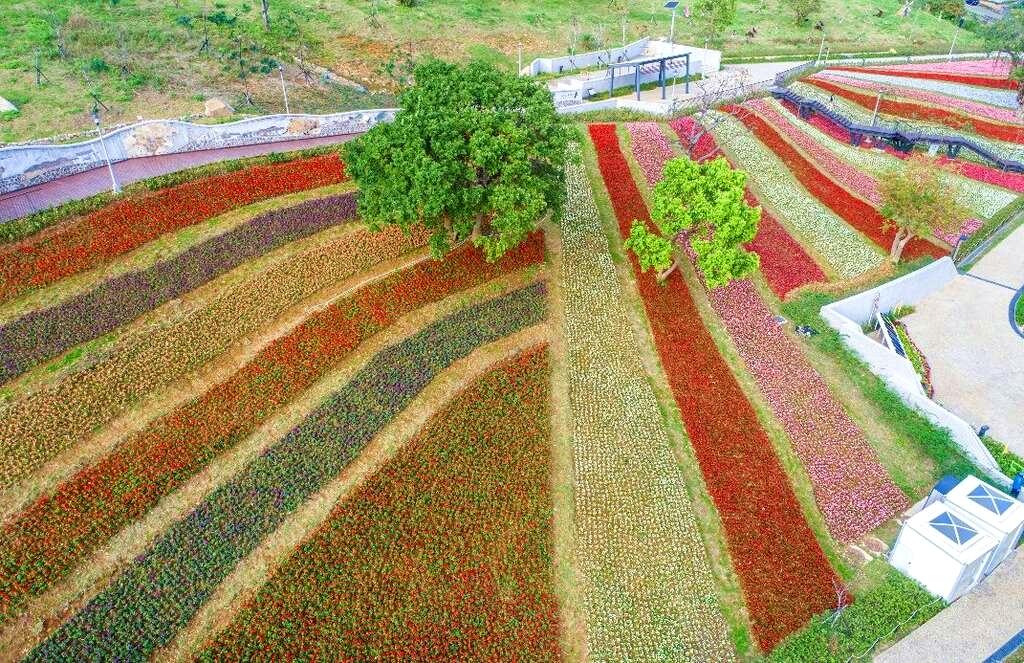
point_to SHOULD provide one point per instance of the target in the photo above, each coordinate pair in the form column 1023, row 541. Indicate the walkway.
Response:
column 82, row 185
column 977, row 360
column 972, row 628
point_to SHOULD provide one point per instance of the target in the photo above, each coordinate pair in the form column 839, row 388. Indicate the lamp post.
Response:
column 878, row 104
column 284, row 88
column 959, row 25
column 672, row 4
column 114, row 186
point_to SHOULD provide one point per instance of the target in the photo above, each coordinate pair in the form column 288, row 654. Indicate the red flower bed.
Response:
column 914, row 111
column 784, row 263
column 851, row 209
column 44, row 543
column 123, row 226
column 785, row 576
column 981, row 81
column 444, row 554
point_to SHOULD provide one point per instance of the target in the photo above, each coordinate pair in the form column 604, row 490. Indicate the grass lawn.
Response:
column 143, row 56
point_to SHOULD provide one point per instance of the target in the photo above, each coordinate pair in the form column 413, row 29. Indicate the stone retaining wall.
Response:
column 26, row 165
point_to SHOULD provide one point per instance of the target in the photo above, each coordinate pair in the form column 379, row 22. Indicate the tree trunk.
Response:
column 898, row 244
column 668, row 272
column 266, row 14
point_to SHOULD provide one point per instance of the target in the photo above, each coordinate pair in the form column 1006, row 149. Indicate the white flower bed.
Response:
column 846, row 251
column 648, row 589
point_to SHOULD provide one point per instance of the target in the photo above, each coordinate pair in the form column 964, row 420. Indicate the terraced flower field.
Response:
column 238, row 424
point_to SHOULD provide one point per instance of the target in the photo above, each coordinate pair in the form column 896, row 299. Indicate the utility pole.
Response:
column 878, row 103
column 114, row 186
column 821, row 49
column 519, row 48
column 284, row 88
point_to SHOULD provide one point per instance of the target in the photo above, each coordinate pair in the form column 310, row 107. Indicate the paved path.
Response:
column 972, row 628
column 976, row 358
column 90, row 182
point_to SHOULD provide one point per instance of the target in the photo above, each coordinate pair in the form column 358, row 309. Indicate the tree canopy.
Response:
column 705, row 203
column 916, row 200
column 473, row 153
column 713, row 17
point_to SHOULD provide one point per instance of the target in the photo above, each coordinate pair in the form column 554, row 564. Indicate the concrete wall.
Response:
column 26, row 165
column 847, row 317
column 569, row 63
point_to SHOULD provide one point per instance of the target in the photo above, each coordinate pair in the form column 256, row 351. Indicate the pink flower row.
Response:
column 974, row 171
column 840, row 171
column 966, row 105
column 997, row 68
column 851, row 487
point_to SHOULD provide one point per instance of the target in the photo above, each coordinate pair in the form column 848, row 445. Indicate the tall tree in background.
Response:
column 705, row 203
column 474, row 153
column 713, row 17
column 917, row 199
column 1007, row 36
column 266, row 14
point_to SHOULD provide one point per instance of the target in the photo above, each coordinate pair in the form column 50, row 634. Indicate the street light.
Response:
column 114, row 186
column 284, row 89
column 672, row 4
column 959, row 25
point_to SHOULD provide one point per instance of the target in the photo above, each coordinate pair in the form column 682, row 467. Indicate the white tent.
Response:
column 963, row 532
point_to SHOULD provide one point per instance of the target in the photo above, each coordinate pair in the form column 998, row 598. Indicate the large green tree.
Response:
column 713, row 17
column 703, row 202
column 1007, row 36
column 473, row 153
column 916, row 200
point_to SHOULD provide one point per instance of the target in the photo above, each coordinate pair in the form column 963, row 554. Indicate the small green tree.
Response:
column 473, row 153
column 705, row 203
column 916, row 200
column 802, row 9
column 1007, row 36
column 713, row 17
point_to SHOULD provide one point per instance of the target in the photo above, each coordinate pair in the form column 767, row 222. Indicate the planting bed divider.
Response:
column 445, row 553
column 785, row 264
column 48, row 332
column 912, row 111
column 40, row 425
column 852, row 489
column 785, row 576
column 853, row 210
column 44, row 543
column 127, row 224
column 159, row 593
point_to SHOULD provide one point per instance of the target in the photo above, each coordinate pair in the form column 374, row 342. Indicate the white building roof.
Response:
column 953, row 532
column 987, row 504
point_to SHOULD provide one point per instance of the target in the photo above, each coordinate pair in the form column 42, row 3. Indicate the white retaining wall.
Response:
column 848, row 316
column 569, row 63
column 25, row 165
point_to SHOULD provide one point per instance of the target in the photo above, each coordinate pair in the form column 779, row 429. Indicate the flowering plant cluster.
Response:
column 177, row 446
column 126, row 224
column 998, row 81
column 851, row 209
column 863, row 115
column 784, row 263
column 162, row 589
column 48, row 332
column 984, row 95
column 841, row 248
column 851, row 169
column 785, row 576
column 852, row 489
column 968, row 169
column 417, row 540
column 650, row 558
column 989, row 67
column 996, row 113
column 915, row 111
column 38, row 425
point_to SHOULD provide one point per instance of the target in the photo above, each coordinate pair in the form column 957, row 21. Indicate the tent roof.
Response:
column 987, row 504
column 956, row 533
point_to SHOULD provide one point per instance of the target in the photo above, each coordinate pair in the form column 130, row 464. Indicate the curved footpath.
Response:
column 90, row 182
